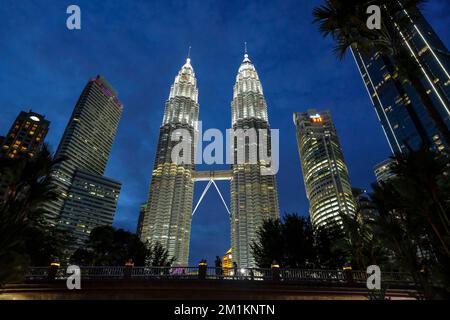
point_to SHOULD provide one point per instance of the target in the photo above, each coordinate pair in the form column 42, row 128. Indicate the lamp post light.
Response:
column 202, row 267
column 348, row 273
column 52, row 271
column 129, row 265
column 275, row 271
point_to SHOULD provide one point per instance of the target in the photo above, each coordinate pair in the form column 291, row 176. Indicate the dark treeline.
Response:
column 404, row 227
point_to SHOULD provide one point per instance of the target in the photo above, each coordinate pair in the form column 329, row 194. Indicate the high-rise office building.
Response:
column 384, row 170
column 24, row 139
column 91, row 202
column 87, row 198
column 398, row 106
column 26, row 135
column 254, row 196
column 168, row 215
column 325, row 173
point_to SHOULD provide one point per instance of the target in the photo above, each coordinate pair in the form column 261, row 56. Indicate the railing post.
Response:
column 275, row 271
column 348, row 273
column 52, row 271
column 129, row 265
column 202, row 268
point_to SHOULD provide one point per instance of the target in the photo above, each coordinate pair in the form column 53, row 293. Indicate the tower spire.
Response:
column 189, row 54
column 246, row 59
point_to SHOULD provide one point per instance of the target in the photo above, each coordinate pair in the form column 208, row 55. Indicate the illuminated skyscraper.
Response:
column 24, row 139
column 254, row 195
column 26, row 135
column 384, row 170
column 398, row 106
column 168, row 214
column 87, row 198
column 325, row 173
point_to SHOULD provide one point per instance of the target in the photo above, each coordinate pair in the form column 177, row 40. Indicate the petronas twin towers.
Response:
column 168, row 215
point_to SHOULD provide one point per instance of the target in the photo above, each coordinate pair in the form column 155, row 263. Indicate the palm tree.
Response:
column 345, row 22
column 358, row 241
column 409, row 68
column 21, row 215
column 413, row 217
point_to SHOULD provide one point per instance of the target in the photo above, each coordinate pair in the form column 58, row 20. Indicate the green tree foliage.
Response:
column 25, row 237
column 327, row 253
column 158, row 256
column 358, row 243
column 413, row 219
column 269, row 246
column 291, row 243
column 108, row 246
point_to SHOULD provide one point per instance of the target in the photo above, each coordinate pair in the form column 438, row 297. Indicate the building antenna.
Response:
column 189, row 53
column 245, row 47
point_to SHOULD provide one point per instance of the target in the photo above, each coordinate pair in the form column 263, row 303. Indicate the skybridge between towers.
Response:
column 211, row 177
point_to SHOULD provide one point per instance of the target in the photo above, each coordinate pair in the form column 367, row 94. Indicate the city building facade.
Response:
column 325, row 173
column 24, row 139
column 26, row 135
column 384, row 170
column 87, row 199
column 168, row 215
column 254, row 196
column 399, row 107
column 91, row 202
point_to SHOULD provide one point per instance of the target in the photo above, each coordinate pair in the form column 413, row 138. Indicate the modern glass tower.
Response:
column 168, row 214
column 254, row 196
column 91, row 202
column 398, row 106
column 384, row 170
column 87, row 198
column 325, row 173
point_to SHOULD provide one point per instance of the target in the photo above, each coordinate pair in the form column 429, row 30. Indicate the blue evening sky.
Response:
column 139, row 47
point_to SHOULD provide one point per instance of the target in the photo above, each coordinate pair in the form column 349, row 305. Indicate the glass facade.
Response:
column 383, row 170
column 168, row 215
column 87, row 198
column 325, row 173
column 91, row 202
column 254, row 196
column 399, row 107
